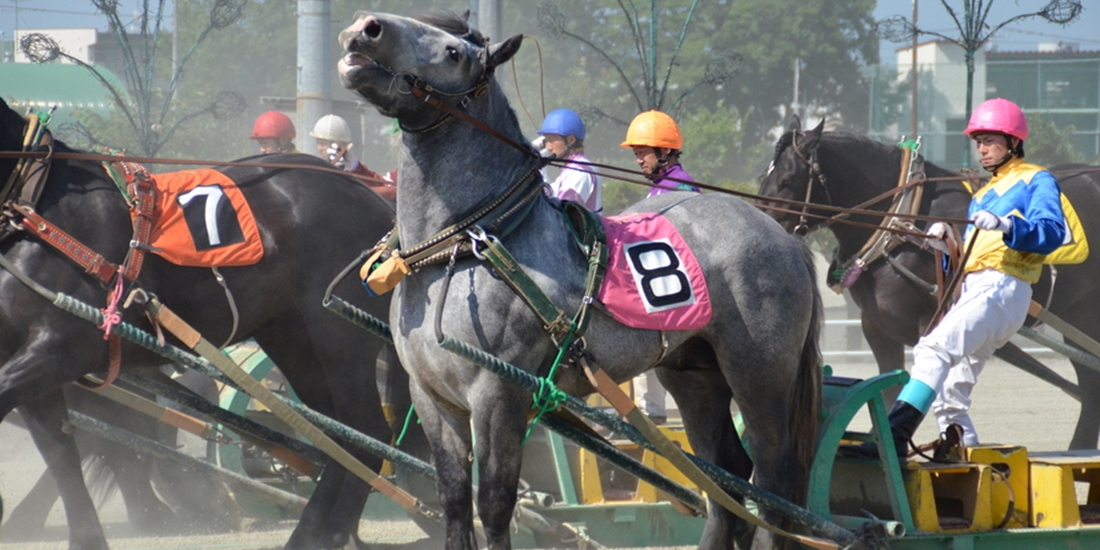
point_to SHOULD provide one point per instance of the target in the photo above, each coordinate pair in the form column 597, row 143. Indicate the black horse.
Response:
column 311, row 224
column 895, row 308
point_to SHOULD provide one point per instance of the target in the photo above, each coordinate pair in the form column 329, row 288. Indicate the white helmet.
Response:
column 332, row 128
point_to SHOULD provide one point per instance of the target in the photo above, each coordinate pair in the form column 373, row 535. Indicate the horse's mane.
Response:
column 453, row 23
column 871, row 148
column 839, row 138
column 11, row 126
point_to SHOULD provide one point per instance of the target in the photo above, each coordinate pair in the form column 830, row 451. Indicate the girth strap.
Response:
column 553, row 318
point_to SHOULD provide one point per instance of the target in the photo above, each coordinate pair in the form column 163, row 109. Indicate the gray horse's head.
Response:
column 385, row 55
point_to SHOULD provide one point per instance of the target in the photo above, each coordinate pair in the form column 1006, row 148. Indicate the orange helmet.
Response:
column 273, row 124
column 654, row 129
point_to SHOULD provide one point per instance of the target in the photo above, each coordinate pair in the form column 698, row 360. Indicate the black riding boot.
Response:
column 904, row 420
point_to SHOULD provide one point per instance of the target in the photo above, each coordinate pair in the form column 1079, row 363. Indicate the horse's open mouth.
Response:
column 354, row 61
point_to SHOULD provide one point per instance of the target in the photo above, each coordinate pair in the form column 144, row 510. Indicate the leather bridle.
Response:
column 814, row 174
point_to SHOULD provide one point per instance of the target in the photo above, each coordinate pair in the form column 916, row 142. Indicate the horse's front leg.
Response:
column 448, row 434
column 31, row 379
column 46, row 418
column 499, row 426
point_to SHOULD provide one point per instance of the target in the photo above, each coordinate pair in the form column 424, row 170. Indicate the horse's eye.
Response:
column 452, row 53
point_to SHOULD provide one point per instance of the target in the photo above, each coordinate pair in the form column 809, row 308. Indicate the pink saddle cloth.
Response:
column 653, row 280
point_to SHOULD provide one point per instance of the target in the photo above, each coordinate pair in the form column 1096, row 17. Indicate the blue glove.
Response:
column 988, row 221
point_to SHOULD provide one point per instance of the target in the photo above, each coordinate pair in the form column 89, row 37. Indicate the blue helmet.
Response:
column 564, row 123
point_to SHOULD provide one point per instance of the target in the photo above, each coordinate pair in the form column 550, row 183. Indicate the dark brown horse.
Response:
column 311, row 224
column 895, row 307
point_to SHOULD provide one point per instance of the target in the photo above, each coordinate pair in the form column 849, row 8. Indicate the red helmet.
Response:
column 273, row 124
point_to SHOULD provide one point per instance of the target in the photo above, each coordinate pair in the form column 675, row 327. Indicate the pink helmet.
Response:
column 998, row 115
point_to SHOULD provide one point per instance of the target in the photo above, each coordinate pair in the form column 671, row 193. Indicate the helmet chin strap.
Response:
column 992, row 168
column 662, row 162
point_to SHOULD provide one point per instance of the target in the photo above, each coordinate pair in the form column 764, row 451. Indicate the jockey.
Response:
column 656, row 141
column 274, row 133
column 1018, row 220
column 563, row 138
column 334, row 144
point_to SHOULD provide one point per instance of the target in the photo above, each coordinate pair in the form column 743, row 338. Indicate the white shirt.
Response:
column 576, row 183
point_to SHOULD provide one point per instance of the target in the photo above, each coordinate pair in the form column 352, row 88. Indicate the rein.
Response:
column 95, row 157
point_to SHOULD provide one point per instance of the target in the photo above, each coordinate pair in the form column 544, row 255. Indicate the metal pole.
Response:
column 488, row 19
column 314, row 68
column 913, row 82
column 797, row 75
column 175, row 39
column 285, row 499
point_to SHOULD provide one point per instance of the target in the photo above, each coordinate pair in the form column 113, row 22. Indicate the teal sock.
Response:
column 918, row 394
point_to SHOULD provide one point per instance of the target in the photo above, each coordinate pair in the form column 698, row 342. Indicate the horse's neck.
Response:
column 450, row 172
column 852, row 182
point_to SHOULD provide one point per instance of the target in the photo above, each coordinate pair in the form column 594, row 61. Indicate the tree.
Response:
column 145, row 108
column 1049, row 145
column 832, row 41
column 600, row 57
column 655, row 78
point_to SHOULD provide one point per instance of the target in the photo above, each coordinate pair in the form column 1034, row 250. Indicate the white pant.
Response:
column 992, row 307
column 649, row 394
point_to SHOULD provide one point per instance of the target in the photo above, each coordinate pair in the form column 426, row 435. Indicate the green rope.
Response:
column 549, row 397
column 405, row 428
column 911, row 144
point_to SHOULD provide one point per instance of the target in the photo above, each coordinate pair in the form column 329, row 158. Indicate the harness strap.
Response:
column 142, row 188
column 906, row 200
column 423, row 91
column 30, row 142
column 36, row 172
column 387, row 265
column 92, row 262
column 489, row 217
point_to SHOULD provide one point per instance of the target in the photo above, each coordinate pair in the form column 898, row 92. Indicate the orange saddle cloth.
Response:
column 203, row 220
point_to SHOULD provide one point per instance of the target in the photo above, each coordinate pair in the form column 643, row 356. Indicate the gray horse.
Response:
column 759, row 349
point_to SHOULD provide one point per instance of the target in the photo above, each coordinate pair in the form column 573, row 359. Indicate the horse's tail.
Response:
column 805, row 405
column 101, row 481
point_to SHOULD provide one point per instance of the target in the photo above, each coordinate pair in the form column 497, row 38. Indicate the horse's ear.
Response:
column 499, row 53
column 816, row 132
column 796, row 124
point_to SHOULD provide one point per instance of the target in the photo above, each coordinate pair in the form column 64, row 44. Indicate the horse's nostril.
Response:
column 372, row 28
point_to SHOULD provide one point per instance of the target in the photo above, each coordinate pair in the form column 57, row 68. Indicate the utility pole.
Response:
column 314, row 68
column 175, row 39
column 795, row 106
column 913, row 82
column 489, row 19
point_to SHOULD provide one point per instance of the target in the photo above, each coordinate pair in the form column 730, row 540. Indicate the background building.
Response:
column 1056, row 81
